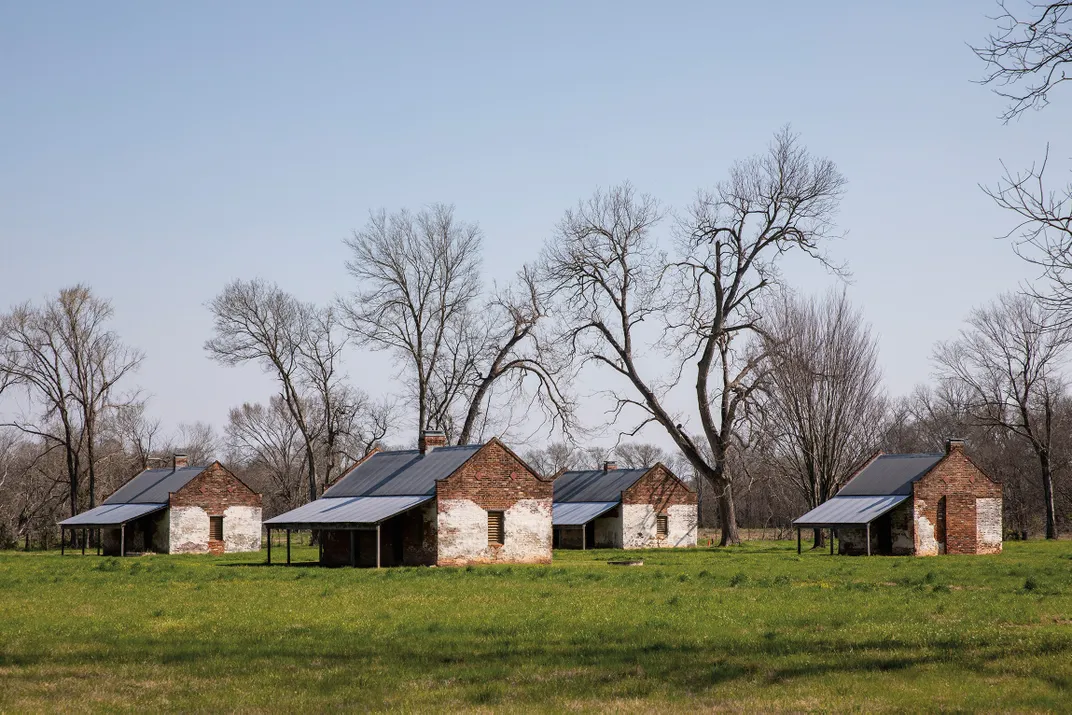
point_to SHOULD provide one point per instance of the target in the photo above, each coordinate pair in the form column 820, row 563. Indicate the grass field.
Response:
column 755, row 627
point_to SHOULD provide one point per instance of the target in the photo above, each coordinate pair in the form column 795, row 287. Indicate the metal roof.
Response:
column 153, row 486
column 346, row 511
column 595, row 485
column 112, row 514
column 579, row 513
column 841, row 511
column 402, row 473
column 890, row 474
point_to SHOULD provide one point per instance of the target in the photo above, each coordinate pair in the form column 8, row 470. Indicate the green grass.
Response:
column 754, row 628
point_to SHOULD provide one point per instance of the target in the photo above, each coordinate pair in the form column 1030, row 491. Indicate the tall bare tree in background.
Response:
column 1007, row 363
column 825, row 407
column 609, row 279
column 1029, row 54
column 256, row 321
column 268, row 441
column 419, row 296
column 69, row 363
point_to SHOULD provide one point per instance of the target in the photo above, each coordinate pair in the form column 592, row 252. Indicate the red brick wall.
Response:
column 494, row 478
column 660, row 488
column 958, row 480
column 214, row 490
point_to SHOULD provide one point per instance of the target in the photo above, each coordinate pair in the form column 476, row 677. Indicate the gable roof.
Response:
column 402, row 473
column 889, row 474
column 596, row 485
column 153, row 486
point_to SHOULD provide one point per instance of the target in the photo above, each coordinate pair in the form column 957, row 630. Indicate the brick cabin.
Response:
column 435, row 505
column 623, row 509
column 177, row 510
column 921, row 504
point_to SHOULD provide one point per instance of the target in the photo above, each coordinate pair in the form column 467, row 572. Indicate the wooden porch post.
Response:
column 869, row 538
column 85, row 533
column 61, row 542
column 122, row 539
column 269, row 545
column 798, row 539
column 288, row 547
column 584, row 537
column 377, row 545
column 831, row 541
column 98, row 542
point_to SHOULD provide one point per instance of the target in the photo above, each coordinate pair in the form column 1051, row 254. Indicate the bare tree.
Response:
column 636, row 455
column 554, row 458
column 256, row 321
column 609, row 278
column 138, row 431
column 199, row 441
column 509, row 348
column 268, row 439
column 419, row 295
column 1007, row 362
column 69, row 363
column 1029, row 54
column 825, row 408
column 1043, row 233
column 418, row 280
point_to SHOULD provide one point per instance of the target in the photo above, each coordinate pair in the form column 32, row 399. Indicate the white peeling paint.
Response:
column 988, row 524
column 926, row 540
column 639, row 526
column 189, row 530
column 463, row 533
column 241, row 529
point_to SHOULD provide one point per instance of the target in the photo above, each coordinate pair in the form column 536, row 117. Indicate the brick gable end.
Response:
column 495, row 479
column 214, row 490
column 660, row 488
column 961, row 482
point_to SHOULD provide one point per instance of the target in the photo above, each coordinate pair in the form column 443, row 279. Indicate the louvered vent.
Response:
column 496, row 528
column 662, row 526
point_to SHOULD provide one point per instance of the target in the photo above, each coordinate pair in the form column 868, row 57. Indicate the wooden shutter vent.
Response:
column 496, row 528
column 215, row 528
column 662, row 526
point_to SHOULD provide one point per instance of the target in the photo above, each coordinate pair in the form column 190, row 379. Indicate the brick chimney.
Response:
column 609, row 465
column 179, row 461
column 430, row 439
column 954, row 444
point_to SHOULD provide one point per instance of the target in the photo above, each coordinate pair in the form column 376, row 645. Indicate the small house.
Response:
column 177, row 510
column 922, row 504
column 435, row 505
column 623, row 509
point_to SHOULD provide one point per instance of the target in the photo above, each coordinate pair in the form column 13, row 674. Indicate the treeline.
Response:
column 676, row 325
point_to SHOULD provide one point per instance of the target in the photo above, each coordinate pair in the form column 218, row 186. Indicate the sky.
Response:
column 157, row 151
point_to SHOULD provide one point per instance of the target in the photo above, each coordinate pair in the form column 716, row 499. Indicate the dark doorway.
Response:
column 590, row 535
column 884, row 526
column 939, row 526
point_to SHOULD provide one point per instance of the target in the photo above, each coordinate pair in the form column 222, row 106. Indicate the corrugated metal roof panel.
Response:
column 595, row 485
column 346, row 510
column 401, row 473
column 890, row 474
column 112, row 514
column 841, row 510
column 579, row 513
column 153, row 486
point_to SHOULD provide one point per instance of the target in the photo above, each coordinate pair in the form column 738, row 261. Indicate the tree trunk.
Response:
column 727, row 513
column 818, row 538
column 1047, row 493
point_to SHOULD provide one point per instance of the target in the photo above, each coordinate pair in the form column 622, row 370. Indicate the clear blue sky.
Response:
column 158, row 150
